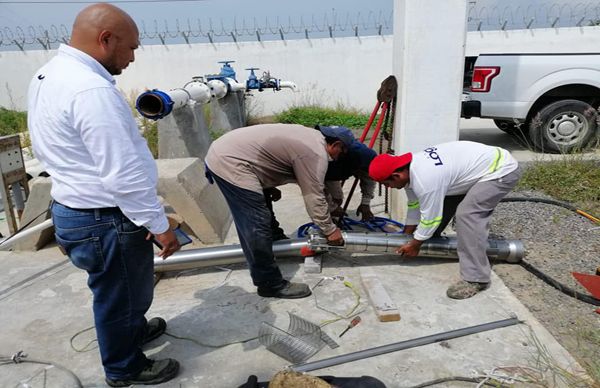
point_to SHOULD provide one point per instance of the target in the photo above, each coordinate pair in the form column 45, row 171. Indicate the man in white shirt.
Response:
column 463, row 178
column 105, row 209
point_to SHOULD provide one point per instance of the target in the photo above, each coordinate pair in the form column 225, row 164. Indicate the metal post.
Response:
column 5, row 244
column 367, row 353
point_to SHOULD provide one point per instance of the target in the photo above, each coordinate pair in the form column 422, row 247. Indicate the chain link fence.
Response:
column 329, row 25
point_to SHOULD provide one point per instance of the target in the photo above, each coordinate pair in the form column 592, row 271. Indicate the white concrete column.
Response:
column 428, row 62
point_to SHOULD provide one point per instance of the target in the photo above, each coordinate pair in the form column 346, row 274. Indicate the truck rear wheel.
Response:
column 563, row 126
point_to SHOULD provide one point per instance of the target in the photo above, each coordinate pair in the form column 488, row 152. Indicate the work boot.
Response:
column 464, row 289
column 154, row 329
column 156, row 372
column 287, row 290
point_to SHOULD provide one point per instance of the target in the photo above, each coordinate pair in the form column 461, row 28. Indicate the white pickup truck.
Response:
column 551, row 100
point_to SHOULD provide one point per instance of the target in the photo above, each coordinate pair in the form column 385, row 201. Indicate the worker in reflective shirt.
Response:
column 461, row 178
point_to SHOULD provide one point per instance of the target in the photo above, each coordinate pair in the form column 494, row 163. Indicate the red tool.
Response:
column 355, row 321
column 386, row 97
column 590, row 282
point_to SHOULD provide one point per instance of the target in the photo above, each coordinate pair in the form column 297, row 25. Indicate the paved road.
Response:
column 484, row 131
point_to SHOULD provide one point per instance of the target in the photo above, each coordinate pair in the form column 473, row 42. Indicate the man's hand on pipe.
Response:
column 168, row 242
column 335, row 239
column 410, row 249
column 365, row 212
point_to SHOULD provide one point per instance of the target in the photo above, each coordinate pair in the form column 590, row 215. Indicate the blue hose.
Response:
column 377, row 224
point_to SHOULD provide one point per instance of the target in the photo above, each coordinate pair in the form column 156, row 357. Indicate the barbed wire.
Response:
column 546, row 15
column 330, row 25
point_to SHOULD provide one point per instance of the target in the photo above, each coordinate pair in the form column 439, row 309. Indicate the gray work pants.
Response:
column 472, row 225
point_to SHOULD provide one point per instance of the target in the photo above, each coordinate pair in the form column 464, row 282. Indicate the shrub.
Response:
column 310, row 116
column 12, row 122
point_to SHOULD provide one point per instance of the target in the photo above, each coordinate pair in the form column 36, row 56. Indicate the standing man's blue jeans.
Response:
column 120, row 264
column 252, row 220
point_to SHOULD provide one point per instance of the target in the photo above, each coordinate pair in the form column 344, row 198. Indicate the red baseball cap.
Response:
column 382, row 167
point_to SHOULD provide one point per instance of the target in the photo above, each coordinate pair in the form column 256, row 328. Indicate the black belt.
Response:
column 103, row 210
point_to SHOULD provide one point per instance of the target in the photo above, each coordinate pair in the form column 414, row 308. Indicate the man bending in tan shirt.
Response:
column 248, row 160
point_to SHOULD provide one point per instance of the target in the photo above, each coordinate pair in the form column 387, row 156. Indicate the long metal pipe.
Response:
column 225, row 254
column 344, row 358
column 508, row 250
column 15, row 238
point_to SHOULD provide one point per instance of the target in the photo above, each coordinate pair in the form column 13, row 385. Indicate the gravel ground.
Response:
column 557, row 241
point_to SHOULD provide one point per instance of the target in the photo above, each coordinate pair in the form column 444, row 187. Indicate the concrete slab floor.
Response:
column 44, row 302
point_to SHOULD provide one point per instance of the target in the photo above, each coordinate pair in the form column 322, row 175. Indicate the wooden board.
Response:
column 385, row 308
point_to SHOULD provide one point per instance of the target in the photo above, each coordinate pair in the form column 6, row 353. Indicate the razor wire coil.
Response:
column 331, row 24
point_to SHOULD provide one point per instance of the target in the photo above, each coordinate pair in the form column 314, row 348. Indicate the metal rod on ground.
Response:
column 511, row 251
column 10, row 241
column 372, row 352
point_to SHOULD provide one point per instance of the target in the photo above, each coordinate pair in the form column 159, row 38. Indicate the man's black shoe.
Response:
column 156, row 372
column 154, row 329
column 287, row 290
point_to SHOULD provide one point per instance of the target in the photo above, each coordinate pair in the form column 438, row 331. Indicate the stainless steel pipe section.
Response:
column 227, row 254
column 511, row 251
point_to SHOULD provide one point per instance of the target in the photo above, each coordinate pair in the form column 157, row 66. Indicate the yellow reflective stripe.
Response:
column 431, row 223
column 498, row 162
column 413, row 205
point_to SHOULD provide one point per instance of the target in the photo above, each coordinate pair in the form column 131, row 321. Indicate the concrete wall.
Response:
column 344, row 71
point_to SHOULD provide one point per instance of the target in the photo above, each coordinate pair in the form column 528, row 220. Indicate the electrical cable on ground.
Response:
column 540, row 274
column 553, row 202
column 85, row 348
column 21, row 357
column 352, row 312
column 203, row 344
column 456, row 378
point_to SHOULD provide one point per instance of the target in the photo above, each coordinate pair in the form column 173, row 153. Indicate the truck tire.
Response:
column 563, row 126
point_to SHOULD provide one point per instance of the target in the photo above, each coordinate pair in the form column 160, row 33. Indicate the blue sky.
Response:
column 314, row 15
column 54, row 12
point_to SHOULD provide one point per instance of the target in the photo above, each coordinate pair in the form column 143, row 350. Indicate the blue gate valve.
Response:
column 253, row 82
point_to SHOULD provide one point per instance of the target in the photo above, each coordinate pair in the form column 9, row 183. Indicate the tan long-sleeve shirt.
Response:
column 271, row 155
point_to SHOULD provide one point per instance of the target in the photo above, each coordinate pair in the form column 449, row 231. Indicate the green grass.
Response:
column 150, row 133
column 573, row 179
column 590, row 339
column 310, row 116
column 14, row 122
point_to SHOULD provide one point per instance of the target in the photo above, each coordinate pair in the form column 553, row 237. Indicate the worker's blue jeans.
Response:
column 253, row 223
column 120, row 263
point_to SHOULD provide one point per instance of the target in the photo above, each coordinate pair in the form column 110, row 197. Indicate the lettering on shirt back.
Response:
column 432, row 152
